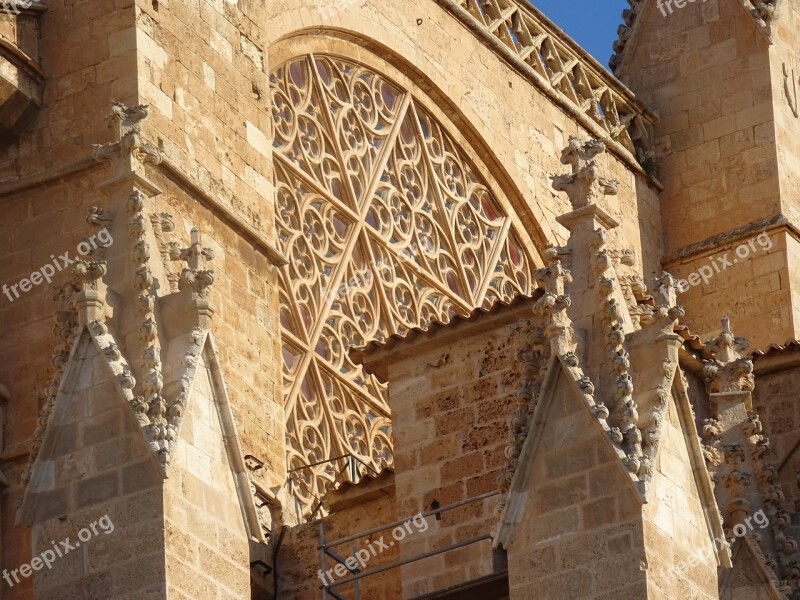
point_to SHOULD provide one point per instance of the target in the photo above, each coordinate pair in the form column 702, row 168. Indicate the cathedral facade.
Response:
column 409, row 299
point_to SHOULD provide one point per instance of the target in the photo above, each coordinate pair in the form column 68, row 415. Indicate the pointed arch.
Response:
column 390, row 223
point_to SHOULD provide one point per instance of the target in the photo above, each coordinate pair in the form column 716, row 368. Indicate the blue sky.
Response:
column 591, row 23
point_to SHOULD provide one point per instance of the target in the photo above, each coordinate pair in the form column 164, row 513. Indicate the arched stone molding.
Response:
column 437, row 97
column 391, row 222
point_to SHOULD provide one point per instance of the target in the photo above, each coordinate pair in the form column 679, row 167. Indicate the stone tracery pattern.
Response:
column 388, row 227
column 556, row 66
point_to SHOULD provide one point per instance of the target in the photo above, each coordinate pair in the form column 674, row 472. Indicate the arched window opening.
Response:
column 388, row 226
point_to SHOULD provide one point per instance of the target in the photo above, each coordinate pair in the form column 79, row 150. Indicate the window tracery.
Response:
column 388, row 227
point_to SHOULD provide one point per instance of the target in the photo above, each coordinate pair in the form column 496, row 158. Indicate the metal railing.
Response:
column 325, row 548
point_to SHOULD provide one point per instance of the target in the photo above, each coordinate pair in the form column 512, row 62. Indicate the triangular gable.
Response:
column 97, row 380
column 206, row 429
column 559, row 389
column 90, row 414
column 750, row 576
column 560, row 378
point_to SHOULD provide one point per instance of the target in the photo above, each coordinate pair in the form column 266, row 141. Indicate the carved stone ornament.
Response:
column 535, row 357
column 764, row 12
column 196, row 277
column 85, row 274
column 149, row 404
column 729, row 370
column 624, row 32
column 435, row 241
column 126, row 123
column 66, row 329
column 584, row 186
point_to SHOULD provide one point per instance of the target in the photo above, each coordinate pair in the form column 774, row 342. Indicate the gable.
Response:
column 566, row 467
column 91, row 434
column 749, row 577
column 574, row 509
column 208, row 459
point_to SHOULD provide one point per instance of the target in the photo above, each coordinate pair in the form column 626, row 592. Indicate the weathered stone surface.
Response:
column 197, row 390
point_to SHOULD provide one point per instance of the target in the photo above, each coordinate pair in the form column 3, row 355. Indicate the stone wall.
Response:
column 451, row 393
column 203, row 69
column 785, row 70
column 299, row 559
column 582, row 535
column 784, row 65
column 706, row 68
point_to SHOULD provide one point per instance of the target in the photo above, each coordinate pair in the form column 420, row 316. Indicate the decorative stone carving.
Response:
column 195, row 277
column 774, row 499
column 174, row 412
column 584, row 186
column 535, row 358
column 85, row 274
column 737, row 450
column 126, row 123
column 667, row 311
column 162, row 223
column 712, row 447
column 552, row 306
column 434, row 242
column 729, row 370
column 624, row 32
column 149, row 404
column 634, row 290
column 66, row 330
column 764, row 14
column 626, row 415
column 98, row 217
column 16, row 7
column 555, row 65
